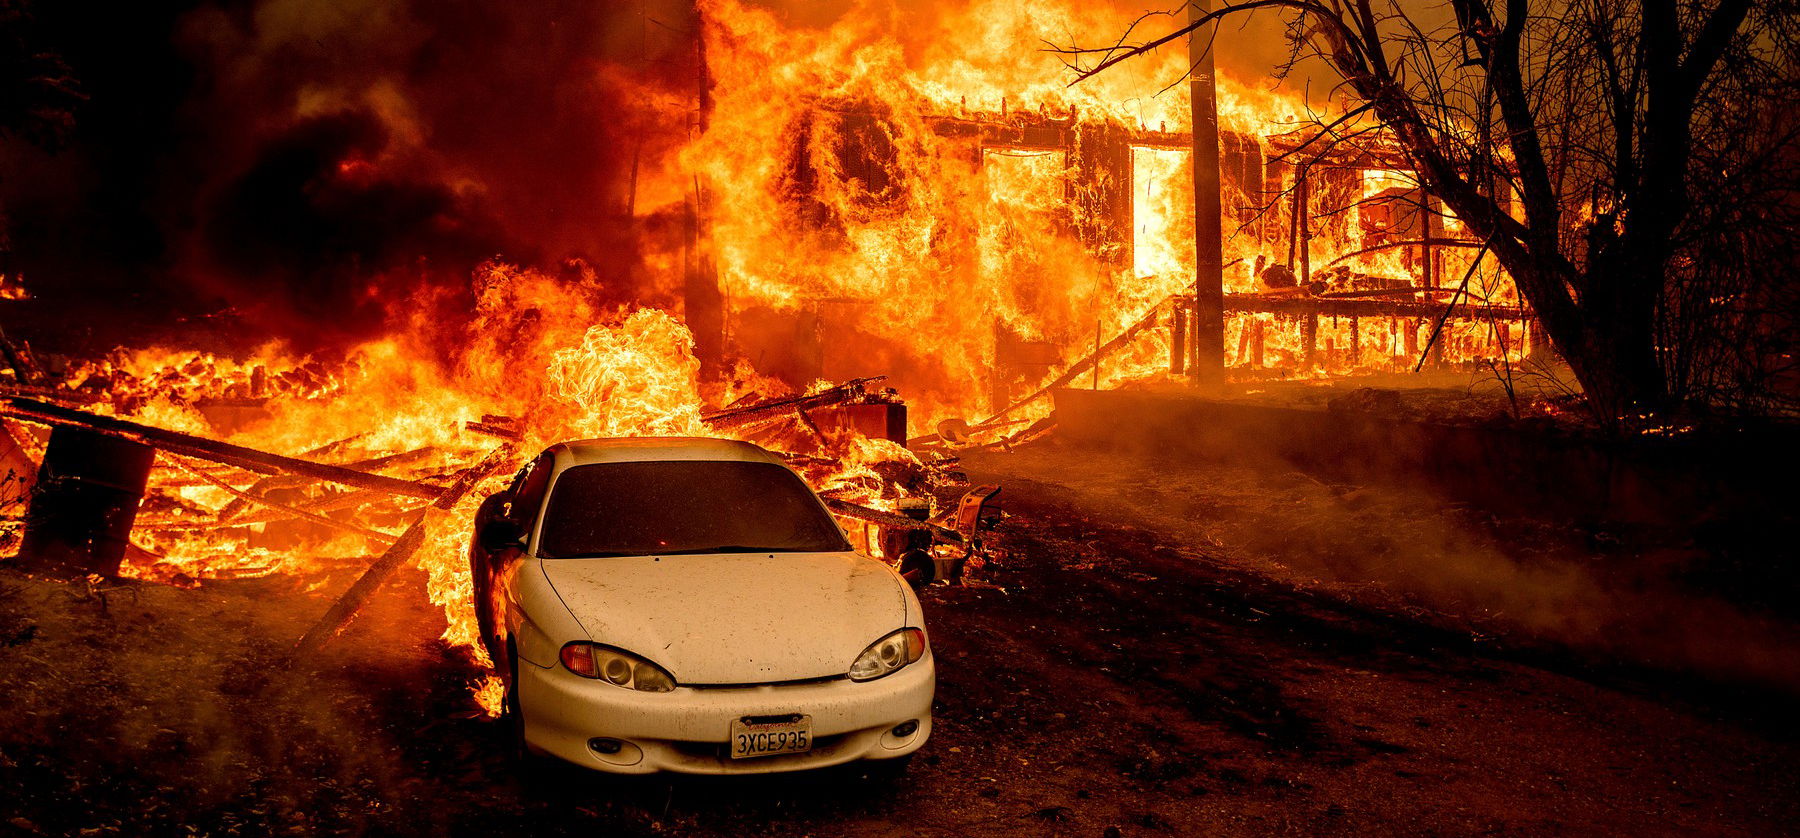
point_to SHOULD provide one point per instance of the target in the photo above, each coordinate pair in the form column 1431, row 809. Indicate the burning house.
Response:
column 978, row 235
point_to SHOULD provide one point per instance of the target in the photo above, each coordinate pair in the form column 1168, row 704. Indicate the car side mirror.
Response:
column 500, row 534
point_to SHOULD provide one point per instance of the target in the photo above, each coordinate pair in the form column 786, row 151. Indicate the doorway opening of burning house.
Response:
column 1026, row 195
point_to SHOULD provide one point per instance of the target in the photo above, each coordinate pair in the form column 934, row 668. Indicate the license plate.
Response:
column 789, row 735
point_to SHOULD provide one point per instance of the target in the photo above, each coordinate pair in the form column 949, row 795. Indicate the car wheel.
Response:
column 512, row 711
column 484, row 615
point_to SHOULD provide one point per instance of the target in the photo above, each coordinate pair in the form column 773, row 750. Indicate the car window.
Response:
column 683, row 506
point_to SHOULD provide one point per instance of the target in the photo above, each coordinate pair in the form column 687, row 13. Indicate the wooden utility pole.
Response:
column 1208, row 368
column 705, row 309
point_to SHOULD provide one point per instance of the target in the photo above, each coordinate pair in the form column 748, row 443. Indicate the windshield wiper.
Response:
column 728, row 548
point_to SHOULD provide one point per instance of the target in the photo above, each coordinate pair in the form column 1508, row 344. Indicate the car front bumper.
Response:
column 688, row 730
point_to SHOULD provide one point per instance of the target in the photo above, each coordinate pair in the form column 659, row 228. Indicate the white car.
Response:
column 688, row 605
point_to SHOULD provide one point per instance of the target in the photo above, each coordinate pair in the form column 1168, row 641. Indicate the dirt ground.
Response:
column 1224, row 651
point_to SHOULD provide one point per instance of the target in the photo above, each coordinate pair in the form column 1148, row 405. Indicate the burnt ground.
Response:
column 1231, row 650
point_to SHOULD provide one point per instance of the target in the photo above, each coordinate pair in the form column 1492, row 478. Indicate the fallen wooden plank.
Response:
column 174, row 442
column 347, row 606
column 333, row 447
column 329, row 503
column 1365, row 307
column 170, row 477
column 1034, row 431
column 744, row 415
column 1081, row 366
column 239, row 504
column 372, row 464
column 497, row 431
column 375, row 535
column 889, row 519
column 54, row 394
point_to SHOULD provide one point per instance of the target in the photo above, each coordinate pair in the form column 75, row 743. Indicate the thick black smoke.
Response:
column 305, row 165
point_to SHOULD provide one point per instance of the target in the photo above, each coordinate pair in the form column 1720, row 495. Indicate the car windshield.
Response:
column 683, row 506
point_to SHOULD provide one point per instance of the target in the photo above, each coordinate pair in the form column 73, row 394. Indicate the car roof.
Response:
column 583, row 452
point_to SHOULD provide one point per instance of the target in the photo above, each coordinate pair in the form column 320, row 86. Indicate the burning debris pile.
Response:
column 180, row 468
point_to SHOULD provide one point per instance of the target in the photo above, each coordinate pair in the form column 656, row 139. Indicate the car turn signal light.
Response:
column 604, row 663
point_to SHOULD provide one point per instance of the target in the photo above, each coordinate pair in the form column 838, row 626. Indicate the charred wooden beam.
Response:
column 409, row 542
column 497, row 431
column 332, row 447
column 1076, row 369
column 249, row 459
column 1178, row 340
column 53, row 394
column 1358, row 307
column 1378, row 152
column 840, row 394
column 1000, row 132
column 292, row 511
column 994, row 130
column 1369, row 293
column 889, row 519
column 1031, row 432
column 329, row 503
column 1428, row 243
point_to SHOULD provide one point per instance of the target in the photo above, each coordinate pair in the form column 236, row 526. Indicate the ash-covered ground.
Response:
column 1157, row 652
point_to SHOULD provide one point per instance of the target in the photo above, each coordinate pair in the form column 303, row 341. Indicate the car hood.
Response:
column 743, row 618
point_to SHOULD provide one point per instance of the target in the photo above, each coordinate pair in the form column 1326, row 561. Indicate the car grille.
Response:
column 794, row 683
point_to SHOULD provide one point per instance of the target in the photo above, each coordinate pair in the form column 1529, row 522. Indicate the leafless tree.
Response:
column 1632, row 164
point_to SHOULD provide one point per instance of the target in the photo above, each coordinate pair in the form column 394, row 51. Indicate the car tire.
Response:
column 485, row 623
column 512, row 710
column 537, row 774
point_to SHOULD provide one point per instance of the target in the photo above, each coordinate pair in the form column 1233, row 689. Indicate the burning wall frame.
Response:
column 1284, row 179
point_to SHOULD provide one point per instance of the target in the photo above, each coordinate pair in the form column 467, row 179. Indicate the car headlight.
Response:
column 888, row 654
column 603, row 663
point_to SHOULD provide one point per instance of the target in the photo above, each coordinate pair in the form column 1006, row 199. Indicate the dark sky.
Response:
column 305, row 164
column 82, row 219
